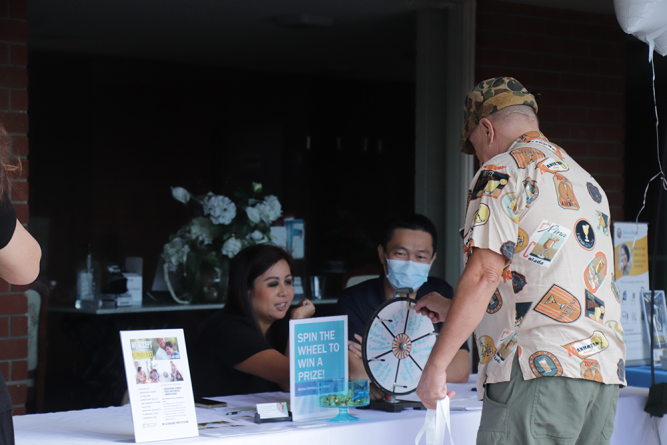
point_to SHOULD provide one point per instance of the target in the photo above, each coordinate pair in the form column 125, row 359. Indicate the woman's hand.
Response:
column 305, row 309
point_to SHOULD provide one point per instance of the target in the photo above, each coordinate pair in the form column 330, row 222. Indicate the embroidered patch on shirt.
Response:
column 495, row 304
column 594, row 192
column 521, row 241
column 615, row 289
column 620, row 369
column 590, row 370
column 508, row 344
column 532, row 191
column 587, row 347
column 565, row 193
column 520, row 313
column 486, row 349
column 526, row 156
column 511, row 206
column 559, row 305
column 518, row 282
column 507, row 249
column 489, row 183
column 616, row 327
column 551, row 165
column 603, row 223
column 584, row 234
column 596, row 272
column 482, row 215
column 594, row 307
column 545, row 243
column 555, row 149
column 545, row 364
column 494, row 167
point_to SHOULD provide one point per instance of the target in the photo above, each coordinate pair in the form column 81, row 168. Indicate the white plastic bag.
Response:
column 436, row 423
column 646, row 20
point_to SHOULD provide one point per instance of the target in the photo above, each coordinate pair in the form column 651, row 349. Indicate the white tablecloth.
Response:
column 114, row 425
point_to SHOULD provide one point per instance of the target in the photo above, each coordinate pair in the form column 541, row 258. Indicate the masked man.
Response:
column 406, row 251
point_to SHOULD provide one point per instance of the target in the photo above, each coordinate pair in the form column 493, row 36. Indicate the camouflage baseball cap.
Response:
column 488, row 97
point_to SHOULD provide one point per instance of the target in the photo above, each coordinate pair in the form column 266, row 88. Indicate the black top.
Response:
column 361, row 301
column 226, row 341
column 5, row 399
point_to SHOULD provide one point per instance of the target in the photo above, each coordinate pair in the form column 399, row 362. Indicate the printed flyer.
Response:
column 631, row 274
column 318, row 351
column 159, row 385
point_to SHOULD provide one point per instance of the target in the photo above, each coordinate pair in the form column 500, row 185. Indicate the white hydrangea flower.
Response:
column 200, row 230
column 269, row 210
column 258, row 237
column 180, row 194
column 253, row 214
column 265, row 212
column 175, row 252
column 231, row 247
column 221, row 209
column 276, row 208
column 256, row 187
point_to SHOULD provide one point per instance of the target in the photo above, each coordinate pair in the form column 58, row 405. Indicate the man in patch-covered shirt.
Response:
column 538, row 285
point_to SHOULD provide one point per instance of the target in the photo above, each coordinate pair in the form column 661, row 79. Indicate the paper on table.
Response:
column 159, row 384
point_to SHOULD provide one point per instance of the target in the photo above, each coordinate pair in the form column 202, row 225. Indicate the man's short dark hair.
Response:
column 411, row 221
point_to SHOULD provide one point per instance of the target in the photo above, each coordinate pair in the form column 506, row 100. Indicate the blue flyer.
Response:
column 318, row 351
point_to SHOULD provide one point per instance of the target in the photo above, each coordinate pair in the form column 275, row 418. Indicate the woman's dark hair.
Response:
column 7, row 167
column 244, row 268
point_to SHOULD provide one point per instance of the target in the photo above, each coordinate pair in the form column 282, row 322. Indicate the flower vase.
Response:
column 211, row 280
column 174, row 281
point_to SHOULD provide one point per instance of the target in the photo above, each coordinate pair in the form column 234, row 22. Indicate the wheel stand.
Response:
column 391, row 405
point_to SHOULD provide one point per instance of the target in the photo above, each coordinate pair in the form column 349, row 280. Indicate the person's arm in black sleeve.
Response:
column 348, row 305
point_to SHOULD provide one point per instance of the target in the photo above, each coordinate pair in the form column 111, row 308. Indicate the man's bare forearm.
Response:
column 471, row 298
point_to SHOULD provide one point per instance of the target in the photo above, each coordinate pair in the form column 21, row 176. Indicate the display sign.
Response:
column 159, row 385
column 659, row 320
column 631, row 274
column 318, row 351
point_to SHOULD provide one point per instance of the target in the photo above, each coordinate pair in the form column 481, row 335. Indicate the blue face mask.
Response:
column 407, row 273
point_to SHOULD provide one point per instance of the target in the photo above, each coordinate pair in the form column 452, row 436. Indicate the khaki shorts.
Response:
column 546, row 411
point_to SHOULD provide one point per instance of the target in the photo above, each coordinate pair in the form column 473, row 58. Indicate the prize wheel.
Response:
column 396, row 346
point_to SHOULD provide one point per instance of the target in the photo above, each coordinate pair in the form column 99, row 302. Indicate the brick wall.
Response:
column 576, row 61
column 13, row 115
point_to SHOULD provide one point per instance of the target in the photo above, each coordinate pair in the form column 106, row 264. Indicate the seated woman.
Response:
column 243, row 349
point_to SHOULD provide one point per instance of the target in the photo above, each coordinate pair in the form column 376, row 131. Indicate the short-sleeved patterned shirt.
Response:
column 557, row 304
